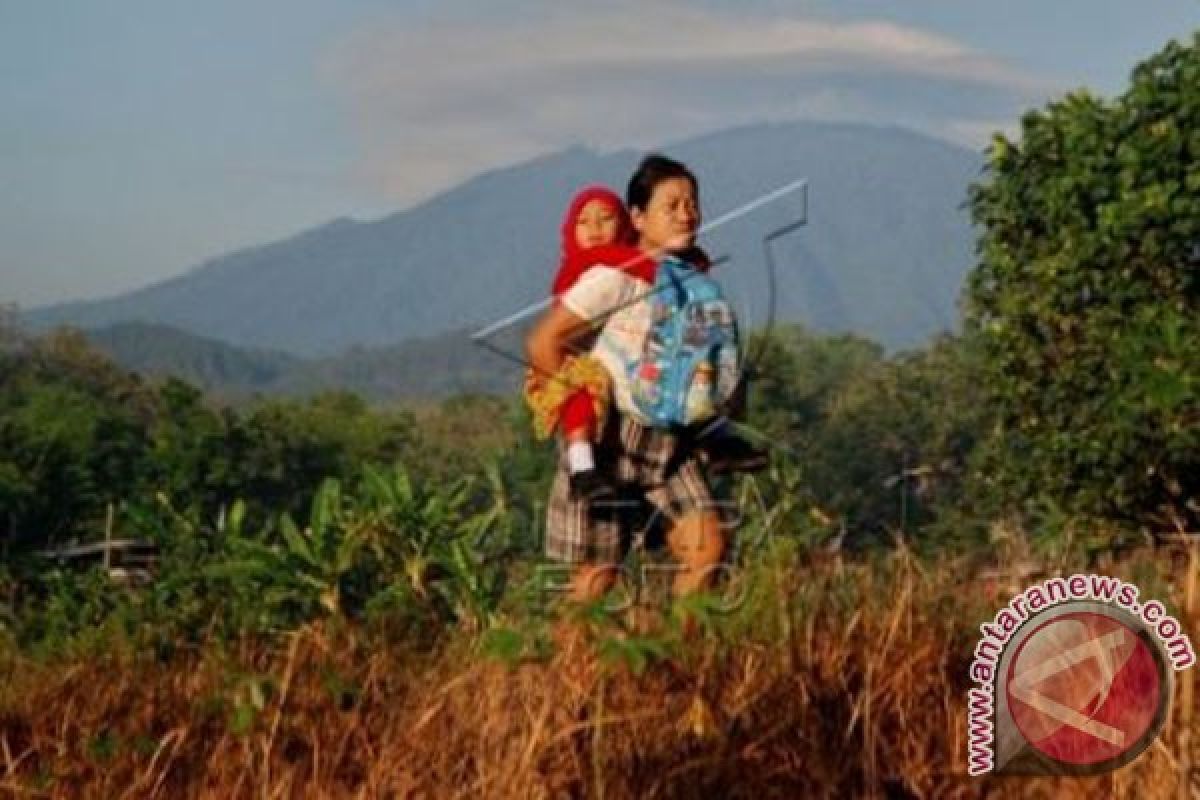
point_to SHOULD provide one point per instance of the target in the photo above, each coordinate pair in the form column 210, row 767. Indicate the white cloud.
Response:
column 436, row 102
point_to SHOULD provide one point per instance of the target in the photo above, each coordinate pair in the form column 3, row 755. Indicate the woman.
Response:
column 648, row 465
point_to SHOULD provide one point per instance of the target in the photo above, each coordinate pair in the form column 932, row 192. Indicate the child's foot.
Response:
column 731, row 453
column 589, row 485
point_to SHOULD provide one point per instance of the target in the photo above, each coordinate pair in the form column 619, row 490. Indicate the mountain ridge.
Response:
column 884, row 252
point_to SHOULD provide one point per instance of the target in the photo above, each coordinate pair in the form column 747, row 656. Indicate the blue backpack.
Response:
column 688, row 368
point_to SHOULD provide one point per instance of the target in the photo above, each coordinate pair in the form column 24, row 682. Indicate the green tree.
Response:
column 877, row 442
column 1085, row 302
column 72, row 440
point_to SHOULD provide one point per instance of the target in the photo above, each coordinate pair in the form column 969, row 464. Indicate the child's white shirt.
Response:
column 623, row 302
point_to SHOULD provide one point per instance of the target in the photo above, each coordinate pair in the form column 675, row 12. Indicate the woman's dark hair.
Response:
column 653, row 170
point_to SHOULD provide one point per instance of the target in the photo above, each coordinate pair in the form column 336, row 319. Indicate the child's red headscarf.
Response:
column 572, row 264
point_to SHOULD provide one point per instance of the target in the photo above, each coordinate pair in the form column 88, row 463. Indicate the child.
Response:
column 595, row 229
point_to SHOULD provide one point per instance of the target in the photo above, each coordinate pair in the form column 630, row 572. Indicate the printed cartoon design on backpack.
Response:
column 688, row 367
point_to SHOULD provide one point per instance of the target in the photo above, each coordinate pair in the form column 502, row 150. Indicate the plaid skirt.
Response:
column 656, row 474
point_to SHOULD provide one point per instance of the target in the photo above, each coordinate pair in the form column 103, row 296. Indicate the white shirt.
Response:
column 625, row 300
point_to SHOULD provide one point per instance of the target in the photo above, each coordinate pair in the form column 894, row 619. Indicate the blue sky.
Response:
column 140, row 138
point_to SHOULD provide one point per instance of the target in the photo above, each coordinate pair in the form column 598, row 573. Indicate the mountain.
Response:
column 155, row 349
column 417, row 369
column 883, row 254
column 424, row 368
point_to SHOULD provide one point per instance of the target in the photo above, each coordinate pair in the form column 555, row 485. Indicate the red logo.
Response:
column 1084, row 689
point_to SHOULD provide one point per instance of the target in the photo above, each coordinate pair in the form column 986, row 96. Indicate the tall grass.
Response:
column 832, row 679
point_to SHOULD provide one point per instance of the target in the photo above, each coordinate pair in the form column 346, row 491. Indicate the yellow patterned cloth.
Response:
column 545, row 395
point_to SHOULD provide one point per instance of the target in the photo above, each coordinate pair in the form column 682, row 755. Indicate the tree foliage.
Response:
column 879, row 443
column 1085, row 301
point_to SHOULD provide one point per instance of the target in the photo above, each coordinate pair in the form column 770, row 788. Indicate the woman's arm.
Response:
column 555, row 336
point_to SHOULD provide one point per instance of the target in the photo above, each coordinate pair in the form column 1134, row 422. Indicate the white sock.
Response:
column 579, row 456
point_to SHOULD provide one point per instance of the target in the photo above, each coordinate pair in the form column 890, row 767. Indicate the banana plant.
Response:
column 407, row 524
column 308, row 566
column 437, row 546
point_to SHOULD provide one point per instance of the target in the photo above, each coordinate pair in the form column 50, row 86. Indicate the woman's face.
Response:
column 597, row 225
column 671, row 217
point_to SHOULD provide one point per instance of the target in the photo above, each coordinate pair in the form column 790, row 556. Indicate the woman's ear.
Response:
column 637, row 218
